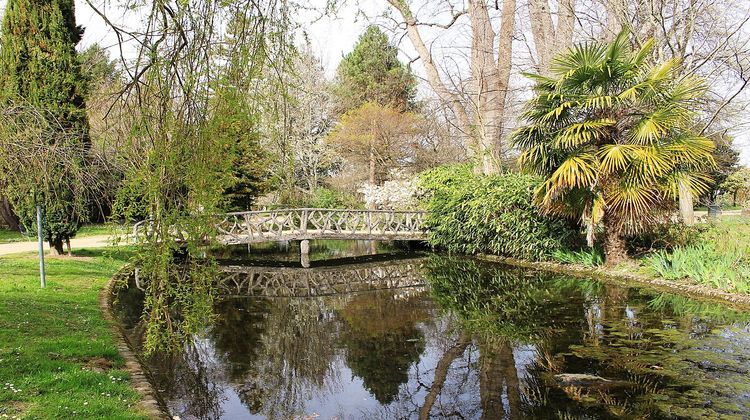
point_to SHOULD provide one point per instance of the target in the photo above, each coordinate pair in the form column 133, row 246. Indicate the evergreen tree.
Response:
column 40, row 70
column 373, row 73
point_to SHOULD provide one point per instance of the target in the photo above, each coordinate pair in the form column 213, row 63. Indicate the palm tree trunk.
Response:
column 615, row 247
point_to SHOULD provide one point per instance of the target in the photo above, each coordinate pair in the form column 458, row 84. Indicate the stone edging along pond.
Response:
column 734, row 300
column 149, row 403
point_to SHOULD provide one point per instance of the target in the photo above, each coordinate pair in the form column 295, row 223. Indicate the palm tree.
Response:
column 611, row 135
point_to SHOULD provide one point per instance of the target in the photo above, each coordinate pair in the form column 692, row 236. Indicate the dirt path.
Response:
column 98, row 241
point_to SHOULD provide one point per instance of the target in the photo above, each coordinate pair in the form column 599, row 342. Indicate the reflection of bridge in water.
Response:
column 254, row 281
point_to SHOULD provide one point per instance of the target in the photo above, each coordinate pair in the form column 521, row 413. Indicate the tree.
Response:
column 708, row 39
column 611, row 135
column 39, row 69
column 726, row 158
column 480, row 108
column 374, row 139
column 737, row 184
column 373, row 73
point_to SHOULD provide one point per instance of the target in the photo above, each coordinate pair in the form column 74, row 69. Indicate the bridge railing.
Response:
column 268, row 224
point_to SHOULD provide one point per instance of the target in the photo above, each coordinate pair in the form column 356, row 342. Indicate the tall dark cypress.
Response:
column 39, row 69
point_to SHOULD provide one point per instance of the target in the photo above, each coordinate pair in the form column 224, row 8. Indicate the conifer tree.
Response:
column 372, row 72
column 40, row 70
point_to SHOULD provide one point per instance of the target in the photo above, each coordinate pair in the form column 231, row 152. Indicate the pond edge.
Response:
column 150, row 405
column 736, row 301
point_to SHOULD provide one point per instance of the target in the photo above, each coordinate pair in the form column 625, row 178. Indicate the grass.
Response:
column 719, row 257
column 57, row 354
column 9, row 236
column 586, row 257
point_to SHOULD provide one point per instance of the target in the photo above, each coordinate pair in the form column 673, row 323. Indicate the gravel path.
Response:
column 98, row 241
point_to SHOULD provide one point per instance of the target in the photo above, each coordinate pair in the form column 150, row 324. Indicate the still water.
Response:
column 428, row 336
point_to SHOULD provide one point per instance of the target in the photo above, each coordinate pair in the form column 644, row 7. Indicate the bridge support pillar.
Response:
column 304, row 251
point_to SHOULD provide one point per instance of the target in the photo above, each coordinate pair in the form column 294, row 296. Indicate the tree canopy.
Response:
column 372, row 72
column 41, row 82
column 611, row 134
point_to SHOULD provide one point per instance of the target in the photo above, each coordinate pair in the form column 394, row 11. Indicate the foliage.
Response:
column 719, row 258
column 610, row 133
column 591, row 257
column 666, row 235
column 374, row 139
column 43, row 163
column 727, row 159
column 233, row 124
column 493, row 214
column 373, row 73
column 40, row 70
column 188, row 117
column 326, row 198
column 738, row 184
column 57, row 349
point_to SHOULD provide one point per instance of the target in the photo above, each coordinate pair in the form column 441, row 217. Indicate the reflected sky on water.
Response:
column 458, row 338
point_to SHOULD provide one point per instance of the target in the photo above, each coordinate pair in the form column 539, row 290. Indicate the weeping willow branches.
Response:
column 188, row 99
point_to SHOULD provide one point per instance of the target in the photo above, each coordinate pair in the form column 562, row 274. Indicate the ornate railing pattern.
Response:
column 244, row 281
column 312, row 223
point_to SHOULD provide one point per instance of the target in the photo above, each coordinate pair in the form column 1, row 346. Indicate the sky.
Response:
column 330, row 38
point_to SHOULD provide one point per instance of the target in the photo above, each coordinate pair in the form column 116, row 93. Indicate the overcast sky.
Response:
column 330, row 38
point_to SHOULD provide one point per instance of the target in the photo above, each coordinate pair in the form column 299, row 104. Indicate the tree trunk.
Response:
column 372, row 166
column 56, row 247
column 67, row 247
column 615, row 247
column 481, row 113
column 8, row 215
column 686, row 204
column 441, row 374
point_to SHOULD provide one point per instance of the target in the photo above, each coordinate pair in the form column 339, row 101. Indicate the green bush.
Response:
column 326, row 198
column 490, row 214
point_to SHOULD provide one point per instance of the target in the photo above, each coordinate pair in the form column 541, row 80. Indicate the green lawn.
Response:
column 57, row 354
column 8, row 236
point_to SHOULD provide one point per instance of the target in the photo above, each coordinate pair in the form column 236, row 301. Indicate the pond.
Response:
column 410, row 335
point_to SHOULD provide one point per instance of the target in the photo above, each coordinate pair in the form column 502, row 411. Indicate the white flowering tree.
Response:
column 392, row 195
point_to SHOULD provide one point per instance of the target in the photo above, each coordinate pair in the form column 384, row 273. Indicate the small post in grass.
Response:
column 41, row 245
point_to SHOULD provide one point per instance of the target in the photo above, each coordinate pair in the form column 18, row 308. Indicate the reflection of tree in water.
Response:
column 190, row 379
column 237, row 333
column 294, row 358
column 502, row 308
column 382, row 340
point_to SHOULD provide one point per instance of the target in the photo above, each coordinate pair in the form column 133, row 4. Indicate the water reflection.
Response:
column 469, row 340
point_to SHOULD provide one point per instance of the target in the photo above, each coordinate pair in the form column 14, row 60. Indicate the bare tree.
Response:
column 479, row 105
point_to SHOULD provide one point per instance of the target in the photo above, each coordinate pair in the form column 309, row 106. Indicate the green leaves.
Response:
column 610, row 125
column 494, row 214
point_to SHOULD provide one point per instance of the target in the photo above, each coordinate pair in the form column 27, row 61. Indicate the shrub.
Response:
column 491, row 214
column 665, row 236
column 326, row 198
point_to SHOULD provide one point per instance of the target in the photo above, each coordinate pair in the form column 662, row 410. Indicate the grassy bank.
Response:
column 9, row 236
column 57, row 354
column 718, row 256
column 714, row 255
